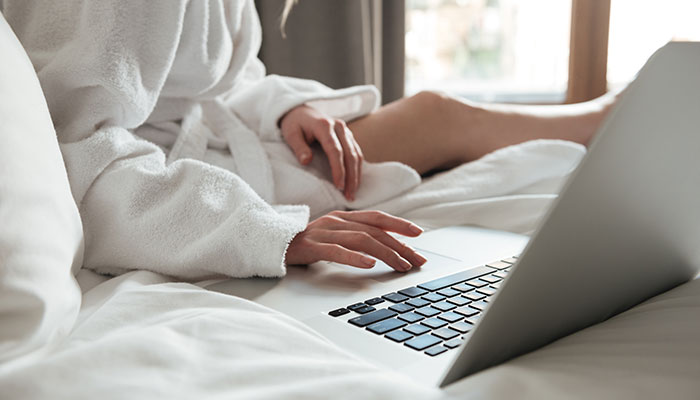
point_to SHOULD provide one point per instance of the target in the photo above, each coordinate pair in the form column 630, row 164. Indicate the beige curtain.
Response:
column 338, row 42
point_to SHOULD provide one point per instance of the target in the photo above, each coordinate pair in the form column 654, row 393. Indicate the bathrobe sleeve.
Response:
column 261, row 100
column 264, row 100
column 102, row 67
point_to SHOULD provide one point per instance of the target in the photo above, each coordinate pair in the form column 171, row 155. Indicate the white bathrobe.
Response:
column 149, row 100
column 168, row 129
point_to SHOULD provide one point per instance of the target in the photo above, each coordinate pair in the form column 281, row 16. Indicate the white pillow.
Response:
column 40, row 229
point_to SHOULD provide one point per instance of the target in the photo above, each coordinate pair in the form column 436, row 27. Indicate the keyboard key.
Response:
column 454, row 343
column 444, row 306
column 416, row 329
column 411, row 317
column 356, row 306
column 433, row 297
column 487, row 291
column 339, row 312
column 511, row 260
column 474, row 319
column 365, row 310
column 395, row 297
column 434, row 323
column 422, row 342
column 372, row 317
column 490, row 279
column 428, row 311
column 387, row 325
column 462, row 327
column 496, row 285
column 450, row 316
column 454, row 279
column 463, row 287
column 477, row 283
column 459, row 300
column 499, row 264
column 479, row 305
column 418, row 303
column 448, row 292
column 445, row 333
column 374, row 301
column 401, row 308
column 398, row 336
column 501, row 274
column 433, row 351
column 467, row 311
column 413, row 292
column 474, row 296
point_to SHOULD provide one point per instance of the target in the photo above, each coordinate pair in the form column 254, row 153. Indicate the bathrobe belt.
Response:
column 249, row 157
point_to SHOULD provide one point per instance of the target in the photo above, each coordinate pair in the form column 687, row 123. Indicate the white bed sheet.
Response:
column 141, row 336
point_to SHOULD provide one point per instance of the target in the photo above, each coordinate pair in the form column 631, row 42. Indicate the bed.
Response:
column 67, row 332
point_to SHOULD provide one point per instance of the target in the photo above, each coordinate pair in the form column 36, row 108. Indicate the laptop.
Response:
column 625, row 227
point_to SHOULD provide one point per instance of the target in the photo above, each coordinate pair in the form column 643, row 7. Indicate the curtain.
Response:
column 337, row 42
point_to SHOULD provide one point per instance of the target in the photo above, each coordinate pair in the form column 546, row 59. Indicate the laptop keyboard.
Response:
column 432, row 317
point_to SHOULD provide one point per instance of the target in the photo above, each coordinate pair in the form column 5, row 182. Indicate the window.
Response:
column 638, row 28
column 489, row 50
column 530, row 51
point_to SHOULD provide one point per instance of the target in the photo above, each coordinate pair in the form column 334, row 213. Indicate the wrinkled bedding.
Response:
column 144, row 335
column 153, row 338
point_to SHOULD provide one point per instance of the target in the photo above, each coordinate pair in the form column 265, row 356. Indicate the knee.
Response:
column 429, row 100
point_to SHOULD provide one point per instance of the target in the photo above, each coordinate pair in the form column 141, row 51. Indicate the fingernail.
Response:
column 406, row 265
column 415, row 229
column 306, row 157
column 420, row 259
column 369, row 262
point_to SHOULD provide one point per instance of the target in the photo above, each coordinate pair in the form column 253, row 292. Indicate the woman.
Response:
column 128, row 83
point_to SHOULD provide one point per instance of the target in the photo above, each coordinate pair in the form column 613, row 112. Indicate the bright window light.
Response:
column 640, row 27
column 489, row 50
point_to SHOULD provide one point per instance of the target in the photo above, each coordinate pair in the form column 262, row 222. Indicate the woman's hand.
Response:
column 304, row 125
column 343, row 237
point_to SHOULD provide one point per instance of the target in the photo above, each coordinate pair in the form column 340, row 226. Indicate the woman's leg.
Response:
column 431, row 131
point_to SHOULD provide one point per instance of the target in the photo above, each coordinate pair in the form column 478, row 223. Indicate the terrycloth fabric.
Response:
column 184, row 75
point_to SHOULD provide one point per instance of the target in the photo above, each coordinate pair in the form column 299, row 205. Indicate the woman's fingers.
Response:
column 361, row 159
column 303, row 125
column 412, row 256
column 294, row 137
column 315, row 244
column 325, row 135
column 342, row 255
column 351, row 159
column 382, row 221
column 366, row 243
column 351, row 237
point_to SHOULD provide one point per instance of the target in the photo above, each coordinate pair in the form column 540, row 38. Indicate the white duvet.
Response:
column 141, row 336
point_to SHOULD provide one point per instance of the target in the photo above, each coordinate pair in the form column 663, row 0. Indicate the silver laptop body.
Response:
column 625, row 228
